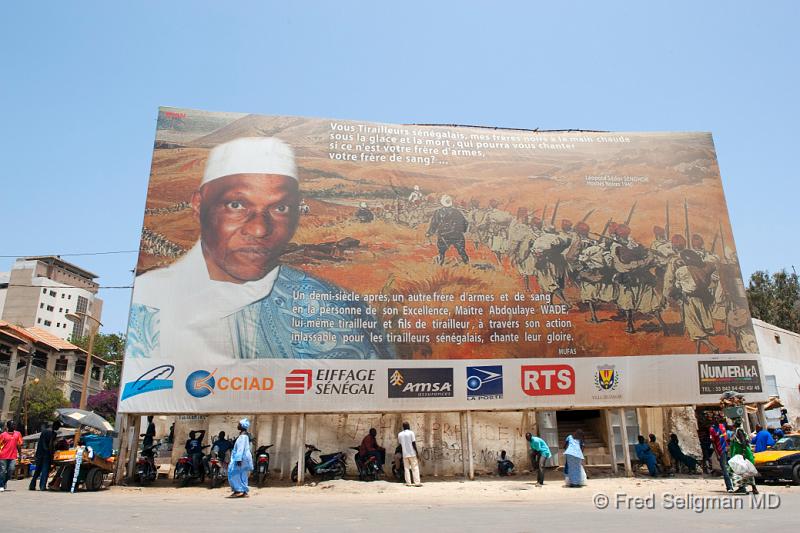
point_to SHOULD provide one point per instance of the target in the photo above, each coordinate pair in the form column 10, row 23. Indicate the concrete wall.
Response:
column 782, row 360
column 438, row 437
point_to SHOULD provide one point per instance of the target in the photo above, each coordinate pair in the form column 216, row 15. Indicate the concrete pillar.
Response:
column 278, row 448
column 470, row 460
column 134, row 421
column 762, row 415
column 626, row 451
column 612, row 448
column 50, row 365
column 462, row 423
column 301, row 448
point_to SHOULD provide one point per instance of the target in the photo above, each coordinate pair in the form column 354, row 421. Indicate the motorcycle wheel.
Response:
column 338, row 470
column 262, row 476
column 215, row 478
column 294, row 474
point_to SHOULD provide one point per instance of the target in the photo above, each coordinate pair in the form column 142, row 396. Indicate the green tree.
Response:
column 42, row 397
column 111, row 347
column 775, row 298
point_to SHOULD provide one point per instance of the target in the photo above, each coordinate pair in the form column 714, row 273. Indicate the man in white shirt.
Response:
column 408, row 444
column 229, row 295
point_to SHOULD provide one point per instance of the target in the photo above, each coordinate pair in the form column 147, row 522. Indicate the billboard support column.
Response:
column 279, row 453
column 626, row 449
column 462, row 423
column 469, row 446
column 122, row 424
column 762, row 416
column 301, row 448
column 134, row 423
column 612, row 445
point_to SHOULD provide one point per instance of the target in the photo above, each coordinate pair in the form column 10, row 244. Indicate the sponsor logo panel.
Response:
column 485, row 382
column 716, row 377
column 607, row 381
column 202, row 383
column 547, row 380
column 153, row 380
column 331, row 381
column 420, row 382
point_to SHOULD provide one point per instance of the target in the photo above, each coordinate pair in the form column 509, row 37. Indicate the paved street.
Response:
column 484, row 505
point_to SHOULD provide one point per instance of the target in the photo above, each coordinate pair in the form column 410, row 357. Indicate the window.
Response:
column 53, row 294
column 62, row 295
column 772, row 385
column 60, row 309
column 44, row 291
column 48, row 323
column 69, row 297
column 41, row 305
column 50, row 308
column 38, row 320
column 778, row 339
column 65, row 325
column 58, row 324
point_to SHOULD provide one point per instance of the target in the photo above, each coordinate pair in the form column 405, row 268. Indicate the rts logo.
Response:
column 201, row 383
column 484, row 382
column 298, row 381
column 547, row 380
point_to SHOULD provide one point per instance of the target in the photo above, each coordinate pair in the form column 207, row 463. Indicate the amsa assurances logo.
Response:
column 484, row 382
column 420, row 382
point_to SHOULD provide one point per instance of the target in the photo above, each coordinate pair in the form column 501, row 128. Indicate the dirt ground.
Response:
column 443, row 504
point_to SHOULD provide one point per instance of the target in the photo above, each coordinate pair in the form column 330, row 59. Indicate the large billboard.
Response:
column 295, row 264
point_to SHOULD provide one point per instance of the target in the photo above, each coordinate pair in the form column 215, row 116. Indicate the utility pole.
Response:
column 21, row 400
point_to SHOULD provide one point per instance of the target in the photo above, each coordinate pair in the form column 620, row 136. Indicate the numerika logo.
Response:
column 484, row 382
column 420, row 382
column 298, row 381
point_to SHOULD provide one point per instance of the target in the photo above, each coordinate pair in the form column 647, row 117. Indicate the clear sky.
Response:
column 80, row 84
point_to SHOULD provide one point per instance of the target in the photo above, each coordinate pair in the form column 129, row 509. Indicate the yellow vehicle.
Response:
column 782, row 461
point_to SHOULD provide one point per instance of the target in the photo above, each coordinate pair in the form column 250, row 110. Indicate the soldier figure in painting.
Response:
column 495, row 226
column 637, row 284
column 688, row 279
column 449, row 224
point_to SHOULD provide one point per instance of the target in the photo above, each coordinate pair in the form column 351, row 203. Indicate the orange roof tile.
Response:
column 49, row 339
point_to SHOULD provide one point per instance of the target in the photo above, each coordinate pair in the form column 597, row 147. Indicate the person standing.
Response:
column 740, row 445
column 719, row 438
column 241, row 462
column 574, row 455
column 408, row 444
column 762, row 439
column 540, row 453
column 44, row 456
column 10, row 442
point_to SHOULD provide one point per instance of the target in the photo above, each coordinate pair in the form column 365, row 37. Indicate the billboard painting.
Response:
column 272, row 239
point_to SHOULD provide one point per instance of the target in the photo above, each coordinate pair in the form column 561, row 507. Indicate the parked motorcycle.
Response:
column 217, row 473
column 186, row 472
column 329, row 466
column 262, row 464
column 368, row 469
column 146, row 470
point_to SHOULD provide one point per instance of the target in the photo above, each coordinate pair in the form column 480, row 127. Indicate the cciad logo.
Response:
column 202, row 383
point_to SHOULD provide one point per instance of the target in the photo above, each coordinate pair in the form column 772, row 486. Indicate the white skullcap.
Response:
column 245, row 423
column 250, row 155
column 447, row 201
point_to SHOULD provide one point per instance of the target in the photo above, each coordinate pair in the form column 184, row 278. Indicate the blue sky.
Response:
column 81, row 83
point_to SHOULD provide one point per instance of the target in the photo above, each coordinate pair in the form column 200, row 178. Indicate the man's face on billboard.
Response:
column 246, row 221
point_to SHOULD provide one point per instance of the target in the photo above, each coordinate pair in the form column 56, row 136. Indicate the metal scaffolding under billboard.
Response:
column 301, row 265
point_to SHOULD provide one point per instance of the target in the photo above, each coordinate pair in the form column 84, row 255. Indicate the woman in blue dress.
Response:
column 241, row 462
